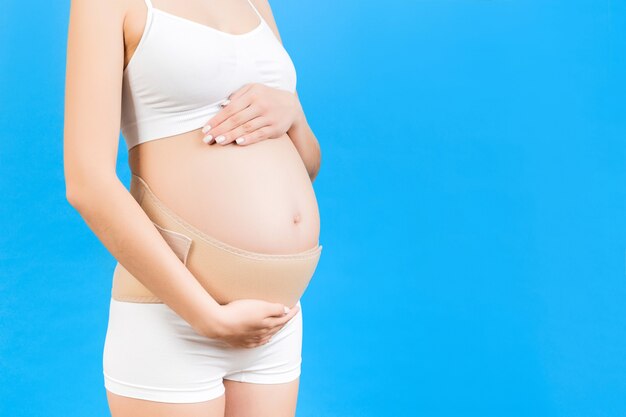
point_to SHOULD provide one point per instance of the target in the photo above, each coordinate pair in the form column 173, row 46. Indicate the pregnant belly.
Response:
column 257, row 197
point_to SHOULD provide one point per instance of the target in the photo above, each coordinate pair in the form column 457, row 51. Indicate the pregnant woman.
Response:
column 218, row 237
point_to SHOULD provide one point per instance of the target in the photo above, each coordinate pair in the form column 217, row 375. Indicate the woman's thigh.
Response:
column 155, row 364
column 154, row 360
column 245, row 399
column 121, row 406
column 268, row 385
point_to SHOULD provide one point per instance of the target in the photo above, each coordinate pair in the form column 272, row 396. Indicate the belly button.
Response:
column 296, row 219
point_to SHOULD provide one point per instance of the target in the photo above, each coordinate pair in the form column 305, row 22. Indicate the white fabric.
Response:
column 182, row 70
column 151, row 353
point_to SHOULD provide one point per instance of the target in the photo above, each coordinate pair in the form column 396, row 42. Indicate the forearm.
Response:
column 307, row 145
column 127, row 232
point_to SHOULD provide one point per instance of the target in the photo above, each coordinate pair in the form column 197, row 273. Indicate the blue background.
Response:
column 472, row 202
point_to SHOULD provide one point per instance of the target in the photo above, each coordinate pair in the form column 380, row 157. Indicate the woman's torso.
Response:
column 257, row 197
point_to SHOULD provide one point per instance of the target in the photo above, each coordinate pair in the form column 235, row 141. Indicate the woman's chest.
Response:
column 179, row 64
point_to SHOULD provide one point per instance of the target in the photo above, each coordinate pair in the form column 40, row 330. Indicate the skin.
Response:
column 257, row 112
column 100, row 44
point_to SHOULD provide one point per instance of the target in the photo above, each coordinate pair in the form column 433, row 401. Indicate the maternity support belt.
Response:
column 226, row 272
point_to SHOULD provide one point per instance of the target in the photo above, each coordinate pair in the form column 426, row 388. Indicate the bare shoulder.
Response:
column 263, row 6
column 93, row 80
column 108, row 7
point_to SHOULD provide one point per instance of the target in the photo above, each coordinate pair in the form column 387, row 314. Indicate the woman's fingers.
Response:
column 243, row 120
column 259, row 339
column 261, row 329
column 253, row 113
column 249, row 132
column 274, row 322
column 273, row 330
column 256, row 135
column 241, row 91
column 240, row 123
column 222, row 122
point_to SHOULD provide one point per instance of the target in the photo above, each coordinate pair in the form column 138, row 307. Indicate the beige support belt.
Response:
column 224, row 271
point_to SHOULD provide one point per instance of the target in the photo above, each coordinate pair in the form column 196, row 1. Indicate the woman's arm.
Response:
column 300, row 132
column 306, row 143
column 95, row 58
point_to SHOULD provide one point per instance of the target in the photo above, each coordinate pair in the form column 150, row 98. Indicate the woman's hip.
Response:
column 150, row 352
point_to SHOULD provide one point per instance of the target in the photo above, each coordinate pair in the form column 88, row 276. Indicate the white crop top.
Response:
column 182, row 70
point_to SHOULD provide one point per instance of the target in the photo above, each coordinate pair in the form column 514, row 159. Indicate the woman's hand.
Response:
column 251, row 322
column 253, row 113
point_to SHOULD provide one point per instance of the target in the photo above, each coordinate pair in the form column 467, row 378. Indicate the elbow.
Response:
column 82, row 190
column 74, row 190
column 314, row 170
column 72, row 196
column 74, row 184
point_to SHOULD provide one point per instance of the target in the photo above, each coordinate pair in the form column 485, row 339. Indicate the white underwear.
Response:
column 151, row 353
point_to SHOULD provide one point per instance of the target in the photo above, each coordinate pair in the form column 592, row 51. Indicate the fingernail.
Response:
column 240, row 140
column 286, row 309
column 220, row 139
column 206, row 128
column 207, row 138
column 225, row 102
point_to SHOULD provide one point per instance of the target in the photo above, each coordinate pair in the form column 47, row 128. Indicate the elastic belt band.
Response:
column 146, row 191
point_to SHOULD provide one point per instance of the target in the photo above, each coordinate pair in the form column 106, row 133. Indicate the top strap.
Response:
column 149, row 4
column 253, row 8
